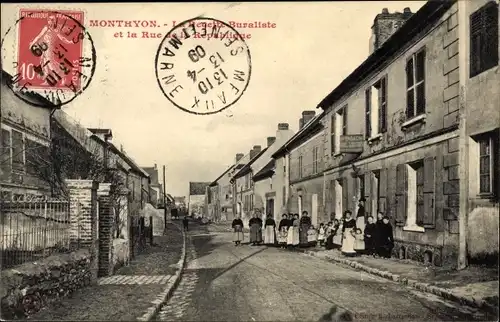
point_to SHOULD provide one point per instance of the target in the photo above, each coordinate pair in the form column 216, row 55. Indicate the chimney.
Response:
column 385, row 25
column 306, row 117
column 282, row 126
column 283, row 132
column 270, row 140
column 256, row 150
column 239, row 156
column 301, row 123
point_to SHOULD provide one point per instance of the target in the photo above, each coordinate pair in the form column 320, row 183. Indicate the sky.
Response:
column 312, row 48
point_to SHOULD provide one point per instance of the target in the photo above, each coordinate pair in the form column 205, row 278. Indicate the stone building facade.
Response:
column 399, row 158
column 304, row 152
column 478, row 54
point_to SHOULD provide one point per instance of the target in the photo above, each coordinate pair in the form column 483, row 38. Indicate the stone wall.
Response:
column 30, row 287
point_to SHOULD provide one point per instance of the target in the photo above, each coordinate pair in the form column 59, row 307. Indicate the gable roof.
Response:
column 127, row 159
column 214, row 183
column 8, row 80
column 266, row 172
column 247, row 168
column 428, row 14
column 308, row 128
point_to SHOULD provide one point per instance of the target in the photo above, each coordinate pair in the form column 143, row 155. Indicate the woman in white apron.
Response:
column 293, row 232
column 348, row 231
column 269, row 231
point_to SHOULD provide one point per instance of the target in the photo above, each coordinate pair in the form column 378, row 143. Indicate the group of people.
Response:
column 375, row 239
column 360, row 235
column 291, row 230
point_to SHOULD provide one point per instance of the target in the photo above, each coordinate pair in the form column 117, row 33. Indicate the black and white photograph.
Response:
column 250, row 161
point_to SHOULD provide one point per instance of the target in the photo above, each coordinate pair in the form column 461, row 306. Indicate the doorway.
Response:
column 270, row 207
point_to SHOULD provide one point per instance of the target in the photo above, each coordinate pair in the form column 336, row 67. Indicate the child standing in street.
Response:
column 359, row 243
column 321, row 234
column 312, row 236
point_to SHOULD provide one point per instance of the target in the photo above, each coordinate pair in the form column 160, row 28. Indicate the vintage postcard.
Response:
column 250, row 161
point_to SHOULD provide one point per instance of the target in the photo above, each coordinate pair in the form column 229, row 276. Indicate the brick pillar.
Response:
column 84, row 219
column 106, row 229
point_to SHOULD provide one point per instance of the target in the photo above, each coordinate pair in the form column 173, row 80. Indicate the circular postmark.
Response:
column 53, row 57
column 203, row 66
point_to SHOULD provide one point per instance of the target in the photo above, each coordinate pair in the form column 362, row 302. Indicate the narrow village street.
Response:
column 227, row 283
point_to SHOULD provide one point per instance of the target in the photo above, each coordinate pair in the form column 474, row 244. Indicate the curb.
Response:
column 423, row 287
column 172, row 284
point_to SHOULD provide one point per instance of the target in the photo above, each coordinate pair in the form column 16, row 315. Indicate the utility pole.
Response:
column 164, row 199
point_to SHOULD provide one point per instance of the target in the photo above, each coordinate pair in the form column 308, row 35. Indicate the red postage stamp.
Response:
column 50, row 49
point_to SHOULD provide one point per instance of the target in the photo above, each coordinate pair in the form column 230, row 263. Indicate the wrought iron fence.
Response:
column 31, row 230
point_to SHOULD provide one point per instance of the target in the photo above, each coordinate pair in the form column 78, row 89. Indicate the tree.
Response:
column 66, row 158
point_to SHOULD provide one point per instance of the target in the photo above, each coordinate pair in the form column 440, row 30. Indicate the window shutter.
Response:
column 383, row 183
column 401, row 194
column 382, row 202
column 5, row 163
column 428, row 219
column 382, row 115
column 344, row 120
column 490, row 49
column 367, row 113
column 5, row 152
column 368, row 192
column 475, row 43
column 345, row 195
column 332, row 196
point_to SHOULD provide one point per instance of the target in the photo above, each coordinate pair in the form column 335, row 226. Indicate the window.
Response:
column 419, row 184
column 250, row 178
column 340, row 123
column 415, row 85
column 227, row 196
column 6, row 148
column 376, row 118
column 415, row 187
column 251, row 202
column 300, row 166
column 484, row 39
column 361, row 183
column 486, row 165
column 315, row 160
column 17, row 151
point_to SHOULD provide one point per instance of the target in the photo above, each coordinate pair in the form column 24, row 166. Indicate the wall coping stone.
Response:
column 81, row 184
column 104, row 189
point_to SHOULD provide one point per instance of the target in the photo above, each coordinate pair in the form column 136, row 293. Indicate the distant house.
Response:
column 243, row 185
column 196, row 198
column 155, row 188
column 301, row 157
column 26, row 164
